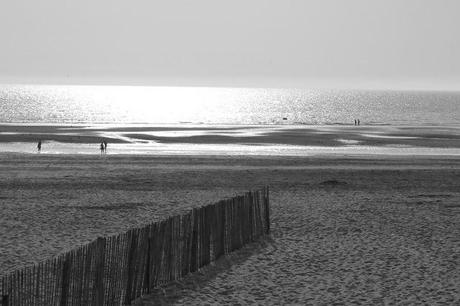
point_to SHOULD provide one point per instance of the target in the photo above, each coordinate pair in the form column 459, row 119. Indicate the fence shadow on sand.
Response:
column 175, row 290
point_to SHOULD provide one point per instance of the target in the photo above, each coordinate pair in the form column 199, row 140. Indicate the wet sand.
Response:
column 369, row 230
column 298, row 135
column 238, row 140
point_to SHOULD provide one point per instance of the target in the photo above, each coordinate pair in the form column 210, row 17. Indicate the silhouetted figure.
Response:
column 105, row 147
column 355, row 122
column 102, row 148
column 358, row 122
column 39, row 146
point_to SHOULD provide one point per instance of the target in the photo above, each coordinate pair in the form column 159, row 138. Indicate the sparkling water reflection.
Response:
column 131, row 104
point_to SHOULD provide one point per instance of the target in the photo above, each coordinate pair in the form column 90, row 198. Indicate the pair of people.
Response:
column 103, row 147
column 357, row 122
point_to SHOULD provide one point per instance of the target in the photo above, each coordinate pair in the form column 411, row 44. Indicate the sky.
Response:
column 393, row 44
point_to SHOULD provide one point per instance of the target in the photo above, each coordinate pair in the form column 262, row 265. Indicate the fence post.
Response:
column 194, row 245
column 65, row 280
column 132, row 244
column 147, row 277
column 267, row 209
column 99, row 282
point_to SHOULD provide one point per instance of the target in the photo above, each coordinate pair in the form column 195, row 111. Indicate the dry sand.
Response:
column 344, row 231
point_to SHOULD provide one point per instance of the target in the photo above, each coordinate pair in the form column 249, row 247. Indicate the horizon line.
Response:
column 272, row 83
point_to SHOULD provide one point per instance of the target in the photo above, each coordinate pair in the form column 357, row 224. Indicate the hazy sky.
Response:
column 332, row 43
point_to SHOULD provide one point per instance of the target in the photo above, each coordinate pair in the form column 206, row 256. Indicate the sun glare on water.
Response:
column 150, row 104
column 142, row 104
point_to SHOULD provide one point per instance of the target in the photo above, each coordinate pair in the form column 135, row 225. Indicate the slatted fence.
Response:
column 116, row 270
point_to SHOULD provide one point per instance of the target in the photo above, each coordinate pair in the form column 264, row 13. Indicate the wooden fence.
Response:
column 116, row 270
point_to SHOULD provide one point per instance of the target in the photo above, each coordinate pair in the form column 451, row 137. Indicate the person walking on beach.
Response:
column 358, row 122
column 102, row 147
column 39, row 146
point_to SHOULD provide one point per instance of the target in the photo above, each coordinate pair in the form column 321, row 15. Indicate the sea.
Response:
column 230, row 121
column 210, row 105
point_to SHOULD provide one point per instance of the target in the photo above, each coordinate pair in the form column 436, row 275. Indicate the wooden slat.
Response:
column 113, row 275
column 194, row 242
column 143, row 261
column 65, row 273
column 187, row 224
column 267, row 208
column 124, row 267
column 99, row 271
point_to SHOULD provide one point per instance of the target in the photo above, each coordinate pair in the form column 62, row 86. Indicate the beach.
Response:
column 364, row 230
column 238, row 140
column 288, row 153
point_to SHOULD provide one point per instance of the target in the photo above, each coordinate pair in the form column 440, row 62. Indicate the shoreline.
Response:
column 282, row 140
column 275, row 151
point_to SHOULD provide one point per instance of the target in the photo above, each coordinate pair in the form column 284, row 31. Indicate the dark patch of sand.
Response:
column 333, row 183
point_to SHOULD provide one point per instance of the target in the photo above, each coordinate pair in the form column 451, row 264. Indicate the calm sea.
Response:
column 131, row 104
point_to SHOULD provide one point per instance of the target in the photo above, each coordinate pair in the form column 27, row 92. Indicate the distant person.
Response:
column 102, row 147
column 39, row 146
column 105, row 147
column 359, row 122
column 355, row 122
